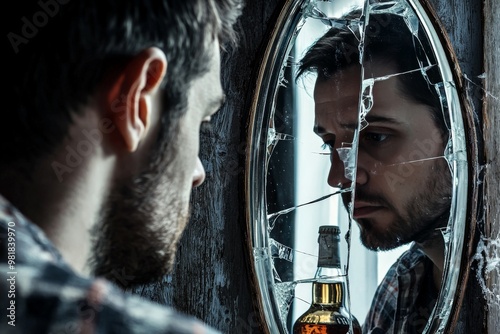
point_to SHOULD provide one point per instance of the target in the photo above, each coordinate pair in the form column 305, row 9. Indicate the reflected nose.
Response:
column 337, row 177
column 199, row 173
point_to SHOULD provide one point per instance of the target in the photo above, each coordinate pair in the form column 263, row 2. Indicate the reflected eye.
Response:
column 376, row 137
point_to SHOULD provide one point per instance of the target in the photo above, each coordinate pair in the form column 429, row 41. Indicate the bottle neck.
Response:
column 328, row 288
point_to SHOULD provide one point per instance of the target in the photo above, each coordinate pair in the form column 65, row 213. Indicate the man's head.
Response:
column 144, row 216
column 403, row 184
column 60, row 63
column 149, row 72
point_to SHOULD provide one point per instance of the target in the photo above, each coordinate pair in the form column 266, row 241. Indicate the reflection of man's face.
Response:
column 138, row 233
column 402, row 191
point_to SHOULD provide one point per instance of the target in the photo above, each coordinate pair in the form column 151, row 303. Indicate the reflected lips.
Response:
column 364, row 210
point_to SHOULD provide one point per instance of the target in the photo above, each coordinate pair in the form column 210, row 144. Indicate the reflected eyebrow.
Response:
column 372, row 119
column 382, row 119
column 319, row 130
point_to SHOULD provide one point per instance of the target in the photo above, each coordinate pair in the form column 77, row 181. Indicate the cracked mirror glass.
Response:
column 357, row 124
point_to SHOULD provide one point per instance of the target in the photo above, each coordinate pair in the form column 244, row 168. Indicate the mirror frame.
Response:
column 256, row 155
column 473, row 142
column 273, row 53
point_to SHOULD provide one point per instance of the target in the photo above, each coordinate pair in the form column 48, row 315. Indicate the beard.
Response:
column 421, row 218
column 136, row 236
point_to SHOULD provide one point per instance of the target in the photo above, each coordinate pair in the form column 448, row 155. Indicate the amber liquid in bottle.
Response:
column 328, row 313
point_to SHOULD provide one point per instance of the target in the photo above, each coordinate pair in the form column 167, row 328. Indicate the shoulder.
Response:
column 51, row 299
column 44, row 295
column 408, row 262
column 385, row 301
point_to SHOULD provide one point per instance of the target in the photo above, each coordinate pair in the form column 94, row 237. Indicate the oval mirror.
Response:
column 357, row 122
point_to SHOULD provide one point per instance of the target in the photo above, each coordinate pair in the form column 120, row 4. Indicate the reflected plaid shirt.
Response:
column 405, row 298
column 51, row 298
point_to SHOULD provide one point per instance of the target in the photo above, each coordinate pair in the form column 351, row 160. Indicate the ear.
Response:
column 129, row 98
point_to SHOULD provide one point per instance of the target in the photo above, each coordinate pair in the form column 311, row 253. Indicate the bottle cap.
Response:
column 329, row 229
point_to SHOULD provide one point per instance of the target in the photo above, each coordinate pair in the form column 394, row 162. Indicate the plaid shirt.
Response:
column 405, row 298
column 44, row 295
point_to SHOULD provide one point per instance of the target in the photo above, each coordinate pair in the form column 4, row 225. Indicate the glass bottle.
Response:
column 328, row 313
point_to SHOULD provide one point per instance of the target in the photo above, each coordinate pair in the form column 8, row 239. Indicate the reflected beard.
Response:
column 136, row 238
column 422, row 219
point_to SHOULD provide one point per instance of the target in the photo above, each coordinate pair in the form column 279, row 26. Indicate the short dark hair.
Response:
column 388, row 40
column 59, row 51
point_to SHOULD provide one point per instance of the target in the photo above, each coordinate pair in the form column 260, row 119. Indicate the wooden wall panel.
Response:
column 491, row 128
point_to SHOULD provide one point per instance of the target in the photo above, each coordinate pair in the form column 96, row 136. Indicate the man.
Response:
column 99, row 154
column 402, row 182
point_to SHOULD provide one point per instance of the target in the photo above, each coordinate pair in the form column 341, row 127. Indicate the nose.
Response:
column 198, row 174
column 337, row 175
